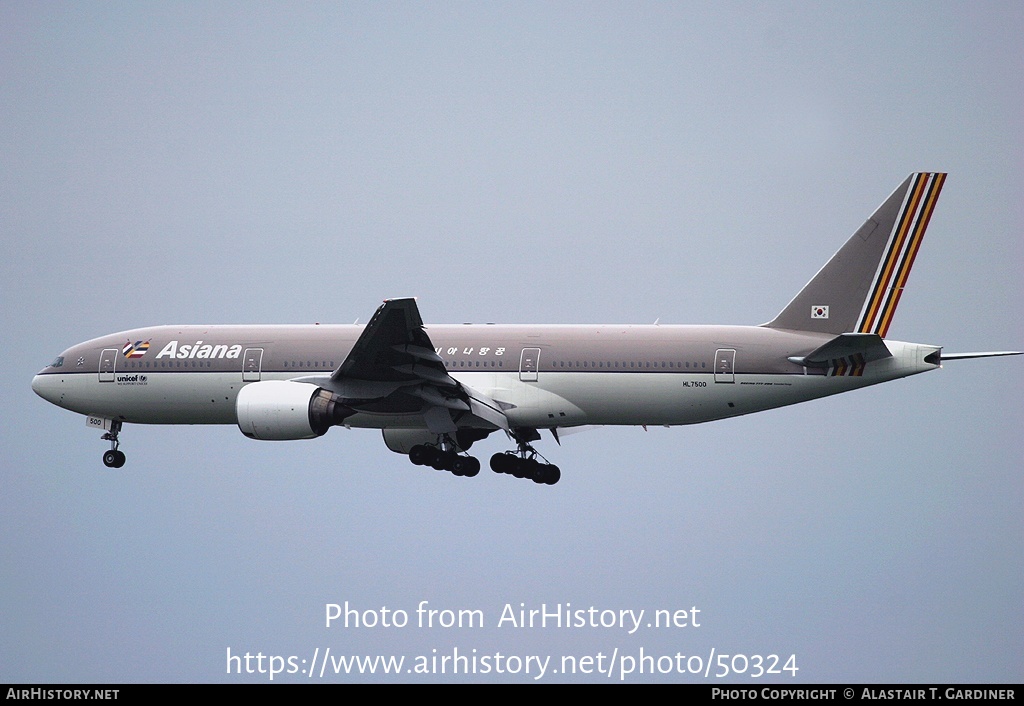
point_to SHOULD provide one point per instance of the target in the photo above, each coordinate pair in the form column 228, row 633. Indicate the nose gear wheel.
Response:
column 113, row 458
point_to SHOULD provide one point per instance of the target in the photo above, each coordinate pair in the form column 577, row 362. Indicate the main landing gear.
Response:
column 444, row 458
column 113, row 458
column 524, row 463
column 525, row 467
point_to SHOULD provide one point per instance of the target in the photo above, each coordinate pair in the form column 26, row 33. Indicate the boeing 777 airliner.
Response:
column 435, row 390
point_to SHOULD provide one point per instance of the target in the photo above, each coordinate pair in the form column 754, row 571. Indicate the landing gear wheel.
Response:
column 439, row 460
column 113, row 458
column 464, row 466
column 523, row 467
column 467, row 466
column 418, row 454
column 500, row 463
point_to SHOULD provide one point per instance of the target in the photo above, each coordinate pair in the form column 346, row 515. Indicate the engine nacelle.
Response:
column 279, row 410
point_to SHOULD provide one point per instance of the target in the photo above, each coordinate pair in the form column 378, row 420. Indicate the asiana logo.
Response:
column 200, row 350
column 134, row 350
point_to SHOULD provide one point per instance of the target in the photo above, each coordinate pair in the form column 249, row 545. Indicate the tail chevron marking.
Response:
column 903, row 244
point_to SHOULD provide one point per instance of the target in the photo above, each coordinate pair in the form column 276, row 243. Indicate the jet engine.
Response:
column 279, row 410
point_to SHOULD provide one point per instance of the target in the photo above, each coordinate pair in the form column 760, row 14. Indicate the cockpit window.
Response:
column 59, row 361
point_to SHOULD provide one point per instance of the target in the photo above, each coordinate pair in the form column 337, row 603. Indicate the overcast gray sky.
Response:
column 518, row 163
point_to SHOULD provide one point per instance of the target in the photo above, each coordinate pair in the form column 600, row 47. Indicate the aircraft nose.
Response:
column 43, row 385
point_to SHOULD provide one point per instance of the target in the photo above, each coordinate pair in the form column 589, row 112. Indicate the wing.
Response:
column 393, row 369
column 394, row 348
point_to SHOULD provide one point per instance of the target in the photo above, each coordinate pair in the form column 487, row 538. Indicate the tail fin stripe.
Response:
column 908, row 261
column 905, row 242
column 895, row 246
column 884, row 290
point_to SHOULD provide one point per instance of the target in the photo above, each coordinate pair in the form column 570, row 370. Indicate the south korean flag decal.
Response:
column 819, row 312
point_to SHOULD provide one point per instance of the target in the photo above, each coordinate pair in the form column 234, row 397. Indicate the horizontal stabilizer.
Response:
column 990, row 354
column 855, row 347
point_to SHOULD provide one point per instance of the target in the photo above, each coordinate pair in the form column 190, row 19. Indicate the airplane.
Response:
column 436, row 390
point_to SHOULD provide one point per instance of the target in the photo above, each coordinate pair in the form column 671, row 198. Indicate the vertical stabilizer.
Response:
column 859, row 288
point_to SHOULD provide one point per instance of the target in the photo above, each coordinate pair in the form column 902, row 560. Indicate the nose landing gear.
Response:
column 113, row 458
